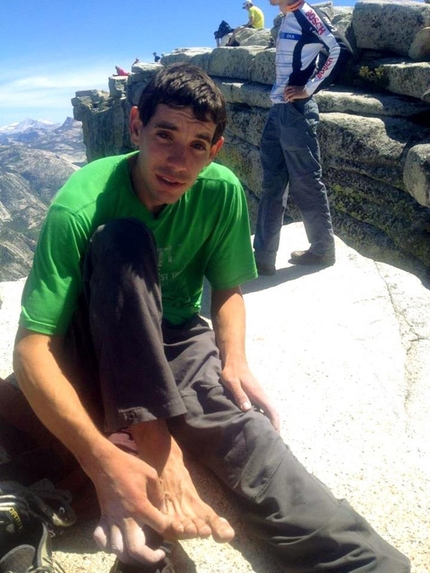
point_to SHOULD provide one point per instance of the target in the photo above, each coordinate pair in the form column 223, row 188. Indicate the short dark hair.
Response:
column 184, row 85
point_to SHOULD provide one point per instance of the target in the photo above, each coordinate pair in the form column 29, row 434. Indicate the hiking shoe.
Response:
column 26, row 525
column 308, row 258
column 33, row 554
column 41, row 500
column 265, row 269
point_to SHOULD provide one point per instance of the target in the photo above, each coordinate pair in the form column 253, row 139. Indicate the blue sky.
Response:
column 49, row 49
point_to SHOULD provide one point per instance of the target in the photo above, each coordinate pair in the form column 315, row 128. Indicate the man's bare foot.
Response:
column 191, row 516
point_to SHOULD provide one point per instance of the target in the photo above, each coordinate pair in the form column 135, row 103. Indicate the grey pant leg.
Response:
column 119, row 322
column 298, row 124
column 290, row 155
column 271, row 206
column 306, row 527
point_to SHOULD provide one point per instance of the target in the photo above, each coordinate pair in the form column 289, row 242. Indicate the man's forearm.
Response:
column 54, row 400
column 229, row 323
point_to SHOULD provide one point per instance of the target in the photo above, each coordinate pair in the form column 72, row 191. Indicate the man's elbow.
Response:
column 30, row 347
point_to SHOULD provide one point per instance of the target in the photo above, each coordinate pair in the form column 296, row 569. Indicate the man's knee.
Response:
column 127, row 237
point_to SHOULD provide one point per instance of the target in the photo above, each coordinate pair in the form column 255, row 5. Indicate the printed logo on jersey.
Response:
column 325, row 67
column 289, row 36
column 315, row 21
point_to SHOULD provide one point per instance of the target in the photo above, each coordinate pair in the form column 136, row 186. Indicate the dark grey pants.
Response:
column 290, row 158
column 149, row 369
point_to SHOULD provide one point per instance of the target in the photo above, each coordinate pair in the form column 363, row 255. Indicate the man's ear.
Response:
column 135, row 125
column 215, row 149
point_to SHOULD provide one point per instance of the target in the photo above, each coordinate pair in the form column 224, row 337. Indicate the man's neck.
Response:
column 138, row 189
column 290, row 5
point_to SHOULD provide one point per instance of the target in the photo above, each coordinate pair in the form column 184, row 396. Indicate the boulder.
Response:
column 416, row 174
column 396, row 75
column 362, row 103
column 253, row 37
column 389, row 26
column 104, row 122
column 197, row 56
column 233, row 62
column 117, row 86
column 420, row 47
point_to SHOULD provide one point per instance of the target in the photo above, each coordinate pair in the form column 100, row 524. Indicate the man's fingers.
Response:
column 270, row 412
column 240, row 397
column 245, row 405
column 274, row 418
column 101, row 534
column 109, row 533
column 127, row 541
column 116, row 540
column 257, row 398
column 136, row 548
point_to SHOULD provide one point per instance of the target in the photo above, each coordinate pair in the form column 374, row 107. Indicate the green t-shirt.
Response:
column 205, row 233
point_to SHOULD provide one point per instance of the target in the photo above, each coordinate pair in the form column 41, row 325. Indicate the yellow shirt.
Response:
column 257, row 17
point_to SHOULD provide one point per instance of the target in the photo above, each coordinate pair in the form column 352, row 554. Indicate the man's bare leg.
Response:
column 190, row 515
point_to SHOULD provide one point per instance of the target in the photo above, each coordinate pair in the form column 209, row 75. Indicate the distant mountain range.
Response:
column 28, row 125
column 36, row 158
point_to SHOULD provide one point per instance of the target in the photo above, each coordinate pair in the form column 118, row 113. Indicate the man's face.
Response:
column 174, row 147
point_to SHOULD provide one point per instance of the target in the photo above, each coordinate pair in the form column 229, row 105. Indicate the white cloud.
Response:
column 25, row 91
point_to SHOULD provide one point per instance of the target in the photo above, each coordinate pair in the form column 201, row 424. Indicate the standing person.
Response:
column 111, row 350
column 289, row 149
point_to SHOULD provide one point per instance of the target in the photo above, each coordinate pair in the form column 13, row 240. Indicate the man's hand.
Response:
column 128, row 490
column 248, row 392
column 292, row 93
column 228, row 317
column 133, row 494
column 130, row 497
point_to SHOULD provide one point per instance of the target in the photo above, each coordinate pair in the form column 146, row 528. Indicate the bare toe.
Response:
column 222, row 531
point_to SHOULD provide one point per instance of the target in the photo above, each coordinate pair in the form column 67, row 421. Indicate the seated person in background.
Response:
column 256, row 16
column 255, row 20
column 121, row 72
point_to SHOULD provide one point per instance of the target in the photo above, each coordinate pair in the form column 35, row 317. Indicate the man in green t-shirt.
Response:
column 114, row 358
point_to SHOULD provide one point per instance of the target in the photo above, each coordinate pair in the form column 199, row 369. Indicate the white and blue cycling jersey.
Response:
column 302, row 36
